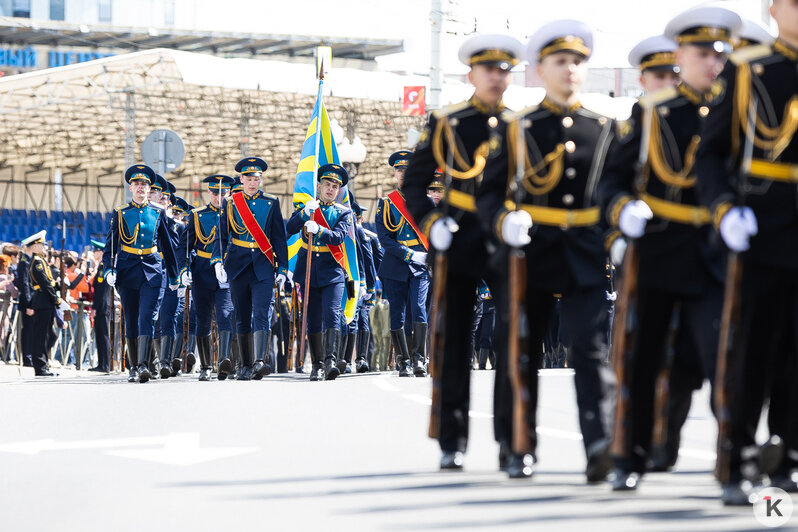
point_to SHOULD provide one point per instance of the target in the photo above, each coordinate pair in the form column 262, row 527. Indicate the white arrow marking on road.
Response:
column 36, row 446
column 181, row 449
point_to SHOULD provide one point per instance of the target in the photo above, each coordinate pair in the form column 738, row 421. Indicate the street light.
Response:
column 352, row 155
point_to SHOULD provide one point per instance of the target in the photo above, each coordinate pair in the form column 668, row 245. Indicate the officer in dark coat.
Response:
column 453, row 226
column 563, row 146
column 132, row 259
column 196, row 262
column 404, row 272
column 327, row 228
column 680, row 271
column 254, row 256
column 22, row 283
column 752, row 204
column 102, row 306
column 44, row 302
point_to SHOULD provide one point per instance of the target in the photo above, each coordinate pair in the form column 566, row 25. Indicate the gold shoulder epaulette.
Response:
column 597, row 114
column 451, row 109
column 267, row 195
column 123, row 206
column 750, row 53
column 658, row 97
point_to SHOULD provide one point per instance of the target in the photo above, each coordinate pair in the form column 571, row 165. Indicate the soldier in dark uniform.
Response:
column 44, row 302
column 563, row 145
column 328, row 227
column 22, row 283
column 159, row 195
column 195, row 259
column 436, row 189
column 680, row 271
column 132, row 259
column 464, row 134
column 403, row 271
column 254, row 256
column 102, row 306
column 752, row 203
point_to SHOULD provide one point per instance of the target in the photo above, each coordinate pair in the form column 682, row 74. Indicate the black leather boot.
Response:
column 204, row 348
column 484, row 352
column 419, row 349
column 144, row 344
column 316, row 348
column 345, row 360
column 402, row 352
column 225, row 364
column 235, row 356
column 132, row 361
column 155, row 357
column 191, row 360
column 166, row 352
column 361, row 365
column 263, row 365
column 177, row 356
column 245, row 346
column 331, row 341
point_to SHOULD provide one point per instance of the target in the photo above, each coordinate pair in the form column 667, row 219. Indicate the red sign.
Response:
column 413, row 103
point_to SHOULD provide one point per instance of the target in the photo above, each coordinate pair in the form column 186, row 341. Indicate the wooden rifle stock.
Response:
column 518, row 356
column 437, row 336
column 623, row 338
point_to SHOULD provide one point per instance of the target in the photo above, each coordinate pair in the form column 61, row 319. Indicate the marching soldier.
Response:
column 746, row 166
column 435, row 189
column 459, row 140
column 132, row 260
column 552, row 155
column 680, row 271
column 326, row 224
column 102, row 307
column 23, row 287
column 44, row 301
column 403, row 271
column 197, row 269
column 254, row 256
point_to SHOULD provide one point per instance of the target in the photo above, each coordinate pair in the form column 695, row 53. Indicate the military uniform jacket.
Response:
column 565, row 152
column 196, row 246
column 324, row 270
column 471, row 132
column 365, row 259
column 399, row 241
column 21, row 282
column 100, row 288
column 43, row 291
column 377, row 251
column 678, row 251
column 139, row 235
column 769, row 74
column 237, row 246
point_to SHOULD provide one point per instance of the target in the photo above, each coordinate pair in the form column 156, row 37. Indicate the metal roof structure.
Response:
column 21, row 31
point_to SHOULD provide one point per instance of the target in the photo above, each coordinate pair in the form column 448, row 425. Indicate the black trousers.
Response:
column 584, row 321
column 765, row 364
column 695, row 330
column 41, row 327
column 103, row 342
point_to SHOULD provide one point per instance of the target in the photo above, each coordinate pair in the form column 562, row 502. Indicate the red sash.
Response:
column 399, row 202
column 337, row 250
column 252, row 226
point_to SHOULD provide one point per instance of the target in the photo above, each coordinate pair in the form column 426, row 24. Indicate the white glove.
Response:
column 633, row 218
column 311, row 227
column 280, row 280
column 362, row 294
column 110, row 278
column 618, row 251
column 440, row 235
column 368, row 296
column 611, row 296
column 515, row 228
column 310, row 206
column 186, row 278
column 221, row 275
column 181, row 292
column 174, row 287
column 419, row 257
column 64, row 306
column 737, row 226
column 290, row 275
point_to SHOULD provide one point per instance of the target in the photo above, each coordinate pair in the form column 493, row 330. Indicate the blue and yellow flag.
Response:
column 304, row 189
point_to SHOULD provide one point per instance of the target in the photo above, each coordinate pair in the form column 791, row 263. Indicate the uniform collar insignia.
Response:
column 786, row 50
column 485, row 109
column 558, row 109
column 138, row 205
column 693, row 96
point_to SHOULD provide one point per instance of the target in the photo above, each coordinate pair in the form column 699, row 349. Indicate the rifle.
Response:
column 624, row 329
column 519, row 361
column 186, row 312
column 62, row 273
column 730, row 320
column 662, row 396
column 438, row 326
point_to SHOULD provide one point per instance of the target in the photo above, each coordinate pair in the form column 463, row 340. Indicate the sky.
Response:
column 618, row 24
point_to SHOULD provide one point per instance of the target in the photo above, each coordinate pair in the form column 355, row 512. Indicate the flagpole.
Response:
column 309, row 254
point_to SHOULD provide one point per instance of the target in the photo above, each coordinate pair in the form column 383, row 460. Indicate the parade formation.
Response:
column 665, row 244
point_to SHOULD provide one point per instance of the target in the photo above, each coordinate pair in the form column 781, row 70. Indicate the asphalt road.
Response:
column 96, row 453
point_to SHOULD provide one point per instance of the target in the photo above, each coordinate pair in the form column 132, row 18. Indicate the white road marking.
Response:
column 383, row 384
